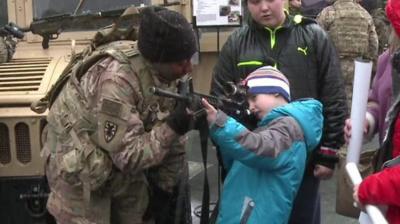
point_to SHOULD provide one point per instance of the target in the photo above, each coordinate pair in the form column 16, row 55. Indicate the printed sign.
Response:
column 217, row 12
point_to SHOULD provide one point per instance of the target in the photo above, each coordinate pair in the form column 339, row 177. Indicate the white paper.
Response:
column 217, row 12
column 353, row 172
column 364, row 218
column 355, row 177
column 374, row 215
column 362, row 77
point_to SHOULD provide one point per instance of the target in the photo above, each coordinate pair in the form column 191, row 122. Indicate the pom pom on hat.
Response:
column 268, row 80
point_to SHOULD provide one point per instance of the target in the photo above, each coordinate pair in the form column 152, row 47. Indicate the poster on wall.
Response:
column 217, row 12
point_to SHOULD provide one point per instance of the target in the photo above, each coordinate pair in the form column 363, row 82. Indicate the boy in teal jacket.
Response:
column 265, row 166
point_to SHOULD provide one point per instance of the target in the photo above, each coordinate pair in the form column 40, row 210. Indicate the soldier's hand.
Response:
column 179, row 120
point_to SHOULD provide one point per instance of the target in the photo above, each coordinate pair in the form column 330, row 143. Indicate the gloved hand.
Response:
column 179, row 120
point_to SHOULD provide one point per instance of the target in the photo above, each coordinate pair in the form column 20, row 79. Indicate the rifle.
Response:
column 232, row 105
column 193, row 101
column 11, row 30
column 51, row 27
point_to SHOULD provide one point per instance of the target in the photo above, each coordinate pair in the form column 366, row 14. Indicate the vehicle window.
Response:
column 3, row 13
column 47, row 8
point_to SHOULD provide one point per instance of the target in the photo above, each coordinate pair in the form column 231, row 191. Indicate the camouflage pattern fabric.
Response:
column 90, row 181
column 3, row 51
column 294, row 11
column 347, row 66
column 382, row 27
column 7, row 49
column 353, row 33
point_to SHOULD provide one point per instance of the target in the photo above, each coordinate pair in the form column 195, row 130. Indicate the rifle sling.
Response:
column 205, row 209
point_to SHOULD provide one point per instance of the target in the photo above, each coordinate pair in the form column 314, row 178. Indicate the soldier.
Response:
column 105, row 129
column 382, row 27
column 3, row 51
column 353, row 32
column 7, row 49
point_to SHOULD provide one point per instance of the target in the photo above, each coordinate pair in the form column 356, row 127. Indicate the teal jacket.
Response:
column 266, row 166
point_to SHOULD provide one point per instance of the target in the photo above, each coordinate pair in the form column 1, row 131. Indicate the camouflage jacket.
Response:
column 382, row 26
column 351, row 29
column 105, row 131
column 7, row 49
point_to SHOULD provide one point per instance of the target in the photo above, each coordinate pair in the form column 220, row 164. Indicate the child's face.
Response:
column 261, row 104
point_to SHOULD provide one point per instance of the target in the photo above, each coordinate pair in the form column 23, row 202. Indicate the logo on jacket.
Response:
column 303, row 50
column 110, row 129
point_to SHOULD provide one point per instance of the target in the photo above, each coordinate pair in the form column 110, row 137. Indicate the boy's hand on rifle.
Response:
column 211, row 111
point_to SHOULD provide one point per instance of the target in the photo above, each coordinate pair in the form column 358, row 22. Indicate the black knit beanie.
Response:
column 165, row 36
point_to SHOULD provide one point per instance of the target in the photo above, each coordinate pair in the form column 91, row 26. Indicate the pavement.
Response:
column 327, row 188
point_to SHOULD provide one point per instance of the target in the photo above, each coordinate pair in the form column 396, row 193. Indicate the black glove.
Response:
column 179, row 120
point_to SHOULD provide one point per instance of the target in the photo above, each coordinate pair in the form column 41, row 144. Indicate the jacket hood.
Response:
column 308, row 113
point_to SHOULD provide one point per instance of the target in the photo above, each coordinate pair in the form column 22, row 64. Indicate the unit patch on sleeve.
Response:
column 110, row 129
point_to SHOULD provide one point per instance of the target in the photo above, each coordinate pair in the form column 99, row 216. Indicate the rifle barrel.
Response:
column 160, row 92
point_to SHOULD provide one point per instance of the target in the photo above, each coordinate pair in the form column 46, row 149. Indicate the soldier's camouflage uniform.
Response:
column 353, row 33
column 105, row 130
column 382, row 27
column 7, row 49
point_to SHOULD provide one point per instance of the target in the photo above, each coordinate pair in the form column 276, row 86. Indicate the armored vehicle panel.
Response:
column 22, row 81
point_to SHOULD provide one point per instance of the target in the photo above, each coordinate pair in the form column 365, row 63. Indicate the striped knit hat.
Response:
column 269, row 80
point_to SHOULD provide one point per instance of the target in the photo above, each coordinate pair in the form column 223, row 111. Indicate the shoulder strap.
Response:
column 391, row 163
column 84, row 65
column 42, row 104
column 78, row 66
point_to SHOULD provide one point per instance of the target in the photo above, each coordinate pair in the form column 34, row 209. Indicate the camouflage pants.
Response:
column 124, row 199
column 347, row 66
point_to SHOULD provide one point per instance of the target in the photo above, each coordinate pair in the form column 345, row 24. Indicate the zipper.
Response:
column 247, row 212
